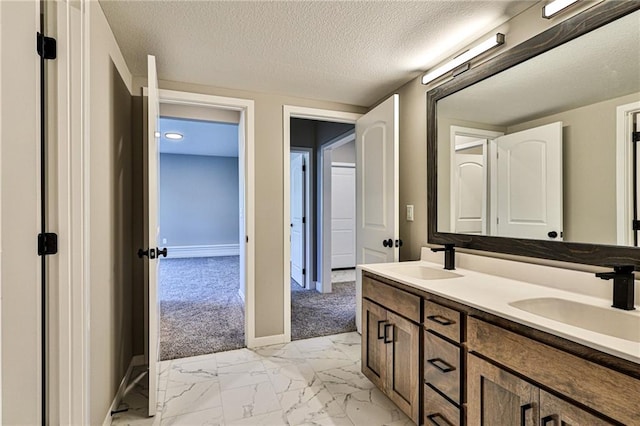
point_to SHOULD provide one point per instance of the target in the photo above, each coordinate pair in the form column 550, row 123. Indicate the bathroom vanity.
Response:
column 463, row 347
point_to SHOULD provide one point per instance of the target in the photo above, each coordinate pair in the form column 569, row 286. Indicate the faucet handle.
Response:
column 617, row 272
column 447, row 247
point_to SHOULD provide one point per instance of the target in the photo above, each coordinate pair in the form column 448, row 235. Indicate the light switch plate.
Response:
column 409, row 212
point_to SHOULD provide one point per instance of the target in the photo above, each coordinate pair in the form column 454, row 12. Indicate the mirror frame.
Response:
column 583, row 253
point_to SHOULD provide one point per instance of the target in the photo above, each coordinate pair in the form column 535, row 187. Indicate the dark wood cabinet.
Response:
column 499, row 398
column 391, row 348
column 558, row 412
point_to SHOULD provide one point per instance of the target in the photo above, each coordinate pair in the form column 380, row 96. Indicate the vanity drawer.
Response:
column 438, row 411
column 393, row 299
column 442, row 365
column 442, row 320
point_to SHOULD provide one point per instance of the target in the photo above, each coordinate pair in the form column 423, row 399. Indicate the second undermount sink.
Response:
column 609, row 321
column 423, row 272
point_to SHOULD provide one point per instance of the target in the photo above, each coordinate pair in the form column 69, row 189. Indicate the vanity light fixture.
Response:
column 486, row 45
column 173, row 136
column 556, row 6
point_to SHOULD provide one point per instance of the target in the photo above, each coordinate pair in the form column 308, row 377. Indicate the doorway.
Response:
column 199, row 222
column 313, row 308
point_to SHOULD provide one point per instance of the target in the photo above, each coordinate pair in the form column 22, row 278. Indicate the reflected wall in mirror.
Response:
column 543, row 150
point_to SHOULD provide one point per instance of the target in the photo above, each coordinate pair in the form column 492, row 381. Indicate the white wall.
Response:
column 198, row 200
column 19, row 174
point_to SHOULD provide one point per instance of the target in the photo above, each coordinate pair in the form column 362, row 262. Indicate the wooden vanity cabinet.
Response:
column 498, row 397
column 443, row 362
column 391, row 343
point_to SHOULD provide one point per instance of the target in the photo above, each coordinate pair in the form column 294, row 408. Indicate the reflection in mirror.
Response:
column 543, row 149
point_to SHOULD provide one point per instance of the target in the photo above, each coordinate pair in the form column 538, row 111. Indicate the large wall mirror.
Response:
column 532, row 152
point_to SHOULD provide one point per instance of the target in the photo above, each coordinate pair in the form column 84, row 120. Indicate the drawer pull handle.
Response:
column 380, row 335
column 523, row 413
column 440, row 320
column 552, row 418
column 386, row 335
column 432, row 418
column 441, row 365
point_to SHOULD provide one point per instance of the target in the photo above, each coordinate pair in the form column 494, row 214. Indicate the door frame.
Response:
column 308, row 213
column 289, row 112
column 624, row 167
column 246, row 155
column 491, row 152
column 324, row 284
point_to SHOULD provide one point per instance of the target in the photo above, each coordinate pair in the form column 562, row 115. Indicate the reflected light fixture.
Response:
column 173, row 136
column 556, row 6
column 486, row 45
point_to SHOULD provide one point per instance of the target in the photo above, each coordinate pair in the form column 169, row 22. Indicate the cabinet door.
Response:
column 374, row 351
column 403, row 376
column 557, row 412
column 498, row 398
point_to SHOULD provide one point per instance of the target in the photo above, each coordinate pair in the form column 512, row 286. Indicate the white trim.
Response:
column 122, row 389
column 309, row 241
column 288, row 112
column 246, row 107
column 624, row 165
column 216, row 250
column 324, row 211
column 276, row 339
column 344, row 165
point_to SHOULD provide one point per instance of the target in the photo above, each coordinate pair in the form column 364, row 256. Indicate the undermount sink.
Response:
column 609, row 321
column 423, row 272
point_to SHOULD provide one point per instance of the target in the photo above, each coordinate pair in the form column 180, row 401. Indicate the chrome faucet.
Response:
column 623, row 286
column 449, row 255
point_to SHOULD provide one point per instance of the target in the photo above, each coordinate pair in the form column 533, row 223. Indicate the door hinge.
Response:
column 46, row 46
column 304, row 168
column 304, row 219
column 247, row 238
column 635, row 136
column 635, row 224
column 47, row 244
column 304, row 271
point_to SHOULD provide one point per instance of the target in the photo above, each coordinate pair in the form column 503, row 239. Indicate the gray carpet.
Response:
column 200, row 309
column 316, row 314
column 201, row 312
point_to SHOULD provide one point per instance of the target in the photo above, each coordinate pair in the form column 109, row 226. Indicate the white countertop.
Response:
column 493, row 294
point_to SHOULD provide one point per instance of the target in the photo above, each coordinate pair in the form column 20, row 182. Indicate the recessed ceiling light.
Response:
column 173, row 136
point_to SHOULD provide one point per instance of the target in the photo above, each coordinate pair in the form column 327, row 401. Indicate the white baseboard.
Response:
column 203, row 251
column 266, row 341
column 136, row 360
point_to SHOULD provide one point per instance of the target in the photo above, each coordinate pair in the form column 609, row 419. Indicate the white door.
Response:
column 377, row 222
column 343, row 217
column 297, row 218
column 469, row 194
column 530, row 183
column 152, row 229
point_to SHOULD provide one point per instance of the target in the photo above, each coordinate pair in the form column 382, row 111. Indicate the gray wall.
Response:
column 345, row 153
column 199, row 200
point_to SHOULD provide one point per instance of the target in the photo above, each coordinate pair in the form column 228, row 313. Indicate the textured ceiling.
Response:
column 603, row 64
column 345, row 51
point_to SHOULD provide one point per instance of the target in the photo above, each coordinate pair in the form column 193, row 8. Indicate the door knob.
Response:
column 162, row 252
column 387, row 243
column 142, row 253
column 552, row 234
column 398, row 243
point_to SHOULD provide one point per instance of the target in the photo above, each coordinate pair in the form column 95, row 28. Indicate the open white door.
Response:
column 151, row 215
column 469, row 194
column 298, row 198
column 377, row 195
column 530, row 183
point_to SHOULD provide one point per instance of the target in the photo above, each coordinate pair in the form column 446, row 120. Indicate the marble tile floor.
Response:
column 306, row 382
